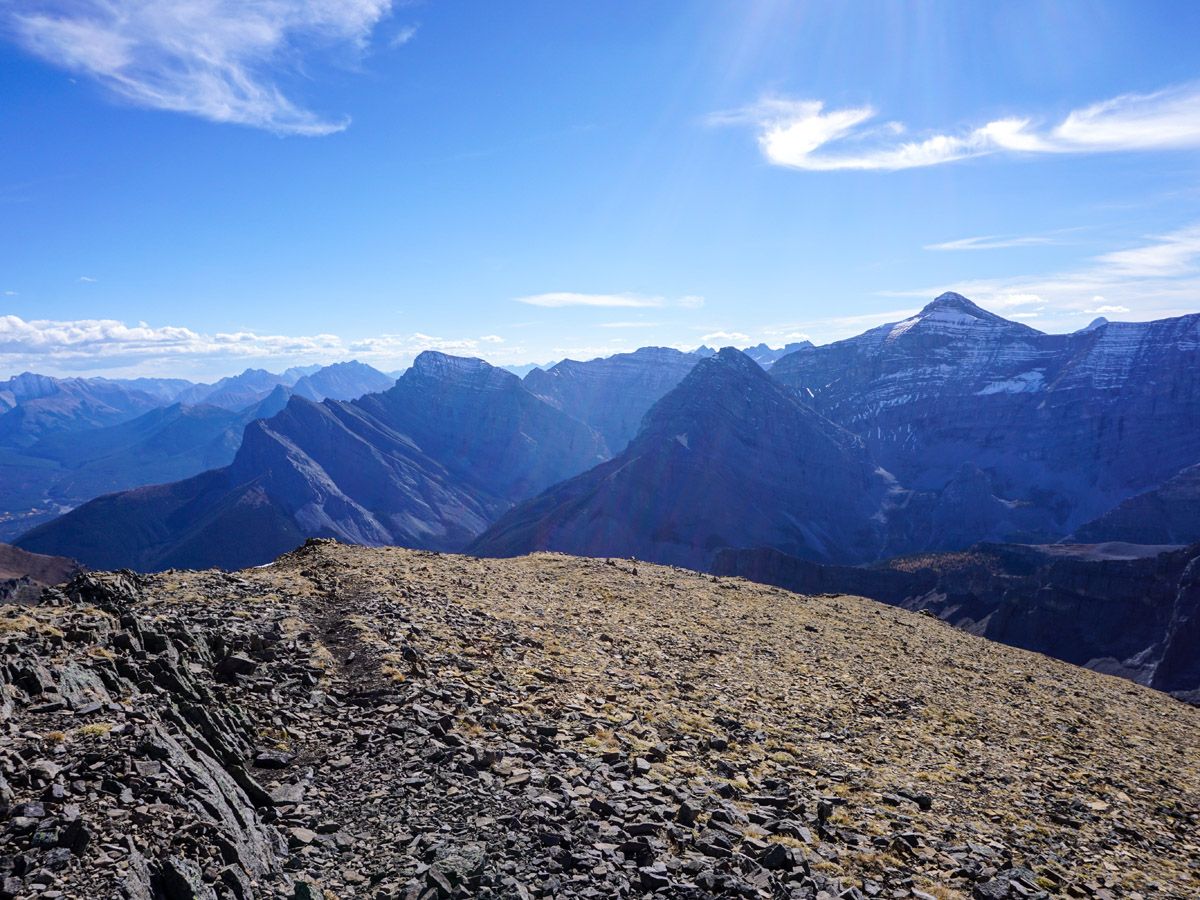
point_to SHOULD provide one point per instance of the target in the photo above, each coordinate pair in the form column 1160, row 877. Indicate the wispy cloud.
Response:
column 217, row 59
column 992, row 242
column 87, row 279
column 562, row 299
column 803, row 134
column 403, row 36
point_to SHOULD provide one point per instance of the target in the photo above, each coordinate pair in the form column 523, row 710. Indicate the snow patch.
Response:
column 1025, row 383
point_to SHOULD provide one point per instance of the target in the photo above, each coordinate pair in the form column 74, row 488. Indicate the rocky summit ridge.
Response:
column 383, row 723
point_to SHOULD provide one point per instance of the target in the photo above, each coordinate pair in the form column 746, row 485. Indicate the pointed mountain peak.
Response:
column 951, row 312
column 732, row 358
column 955, row 302
column 1098, row 322
column 729, row 372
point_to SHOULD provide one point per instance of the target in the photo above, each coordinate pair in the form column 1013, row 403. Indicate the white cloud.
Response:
column 990, row 243
column 725, row 338
column 87, row 279
column 104, row 344
column 10, row 293
column 1108, row 310
column 559, row 299
column 106, row 339
column 691, row 301
column 211, row 58
column 802, row 134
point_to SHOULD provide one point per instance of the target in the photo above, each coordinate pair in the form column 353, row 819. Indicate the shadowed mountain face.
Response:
column 486, row 427
column 1063, row 426
column 612, row 394
column 1168, row 514
column 728, row 458
column 428, row 463
column 1127, row 610
column 70, row 440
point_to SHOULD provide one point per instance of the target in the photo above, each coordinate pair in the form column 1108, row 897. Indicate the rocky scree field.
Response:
column 385, row 723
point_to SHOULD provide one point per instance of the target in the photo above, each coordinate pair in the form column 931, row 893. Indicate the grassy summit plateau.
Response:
column 388, row 723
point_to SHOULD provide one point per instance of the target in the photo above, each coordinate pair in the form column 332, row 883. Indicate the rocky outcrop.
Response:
column 1178, row 667
column 729, row 458
column 349, row 722
column 136, row 782
column 1127, row 610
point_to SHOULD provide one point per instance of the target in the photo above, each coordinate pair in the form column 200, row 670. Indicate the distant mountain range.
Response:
column 66, row 441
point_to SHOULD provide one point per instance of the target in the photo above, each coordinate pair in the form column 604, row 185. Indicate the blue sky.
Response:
column 195, row 186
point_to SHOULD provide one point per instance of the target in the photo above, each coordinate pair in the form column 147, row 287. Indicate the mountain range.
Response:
column 934, row 433
column 926, row 436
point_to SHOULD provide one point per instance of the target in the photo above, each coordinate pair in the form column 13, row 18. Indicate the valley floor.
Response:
column 389, row 723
